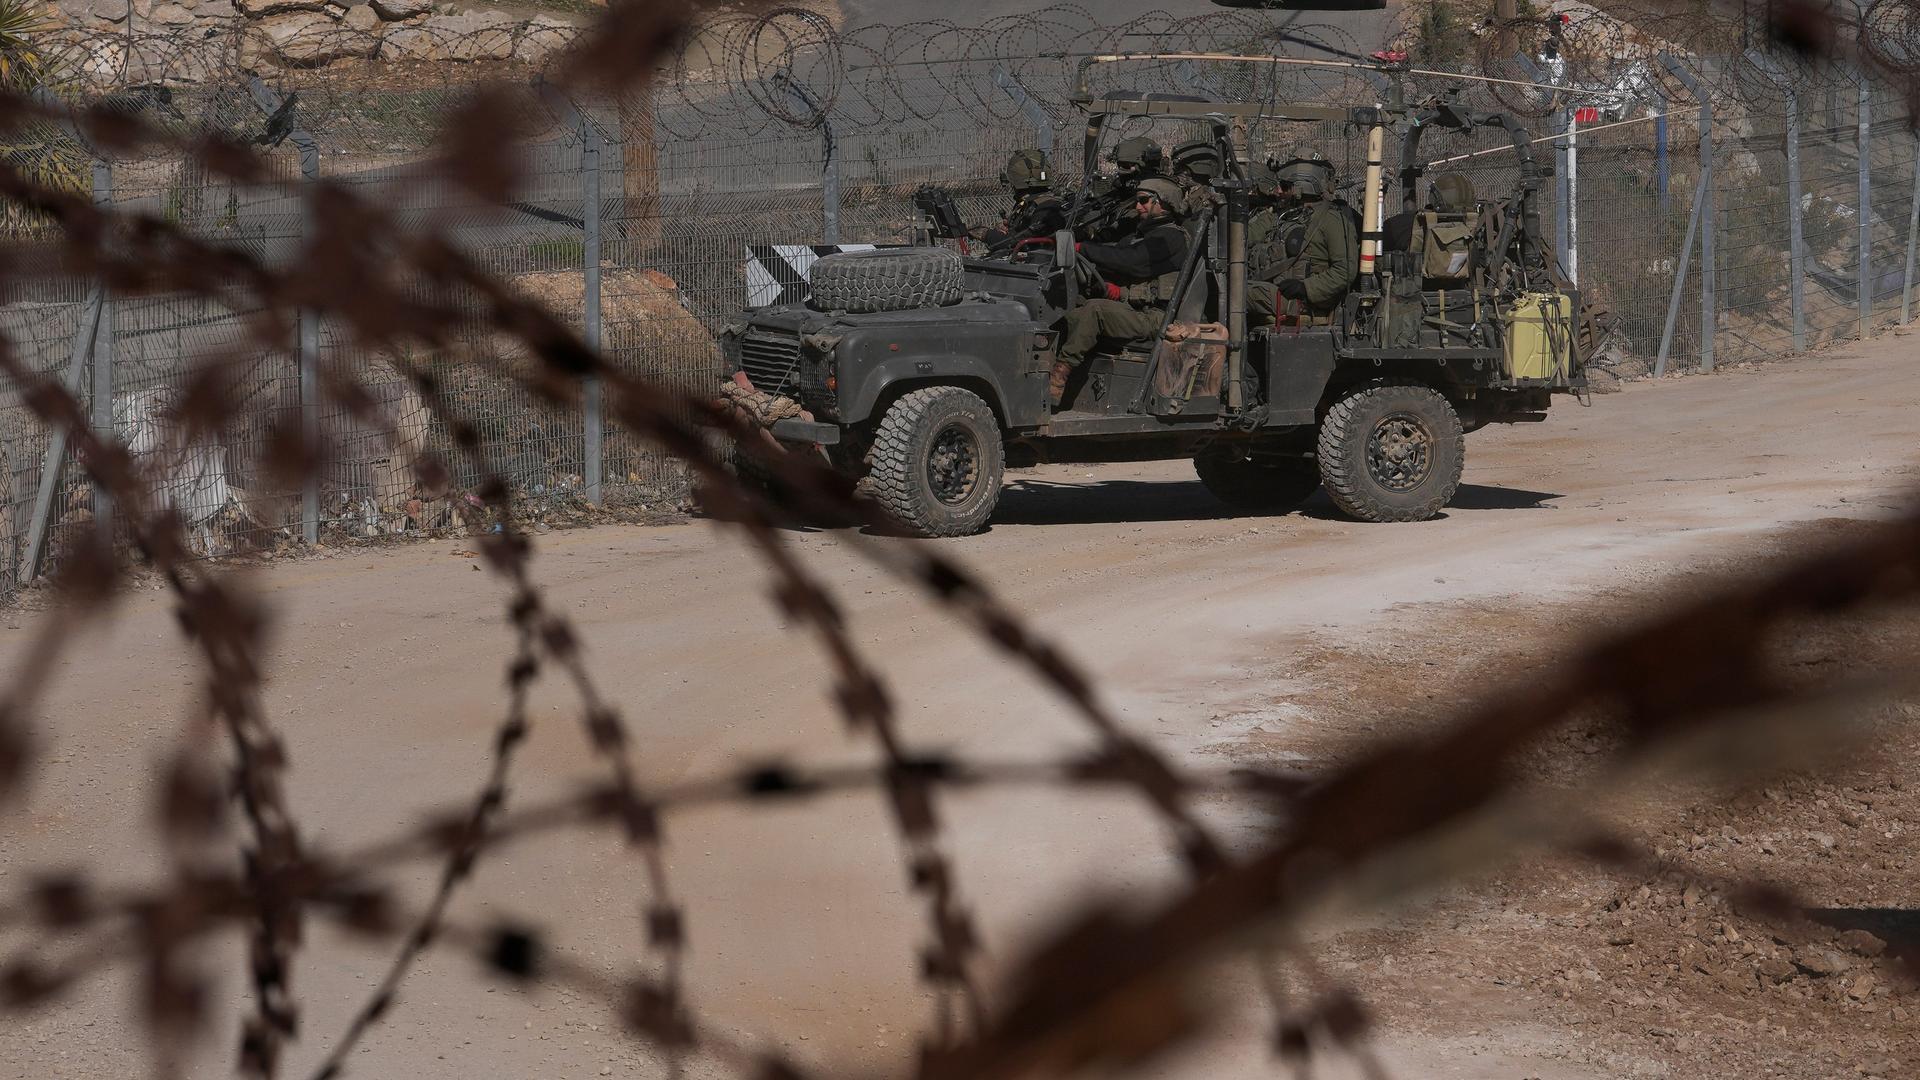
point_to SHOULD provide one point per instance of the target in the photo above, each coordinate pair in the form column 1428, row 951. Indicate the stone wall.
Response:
column 174, row 34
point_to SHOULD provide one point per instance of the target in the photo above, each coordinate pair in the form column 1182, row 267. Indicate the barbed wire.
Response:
column 1078, row 999
column 791, row 69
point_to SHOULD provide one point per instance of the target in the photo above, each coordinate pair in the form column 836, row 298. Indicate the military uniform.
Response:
column 1325, row 262
column 1195, row 165
column 1039, row 213
column 1142, row 273
column 1311, row 246
column 1036, row 211
column 1108, row 214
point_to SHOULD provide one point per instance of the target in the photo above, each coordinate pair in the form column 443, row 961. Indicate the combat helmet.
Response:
column 1166, row 191
column 1028, row 170
column 1139, row 154
column 1200, row 158
column 1308, row 173
column 1452, row 192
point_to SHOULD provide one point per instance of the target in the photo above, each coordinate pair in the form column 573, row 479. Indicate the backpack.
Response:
column 1444, row 243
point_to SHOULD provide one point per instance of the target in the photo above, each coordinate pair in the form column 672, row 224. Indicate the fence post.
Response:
column 1660, row 168
column 1573, row 196
column 590, row 141
column 1913, row 232
column 1796, row 233
column 830, row 186
column 309, row 353
column 1701, row 221
column 1679, row 285
column 1562, row 179
column 1709, row 299
column 103, row 369
column 1796, row 228
column 1036, row 114
column 77, row 358
column 307, row 332
column 1865, row 154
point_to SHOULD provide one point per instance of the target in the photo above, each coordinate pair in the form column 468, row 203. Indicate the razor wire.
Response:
column 730, row 148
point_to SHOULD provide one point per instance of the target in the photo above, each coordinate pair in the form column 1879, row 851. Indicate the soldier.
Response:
column 1141, row 274
column 1312, row 256
column 1036, row 210
column 1109, row 212
column 1265, row 205
column 1195, row 166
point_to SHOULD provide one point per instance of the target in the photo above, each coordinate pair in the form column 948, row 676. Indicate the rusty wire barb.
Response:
column 1080, row 999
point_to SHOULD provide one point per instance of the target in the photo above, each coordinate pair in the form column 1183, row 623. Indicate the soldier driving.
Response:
column 1036, row 210
column 1310, row 257
column 1141, row 274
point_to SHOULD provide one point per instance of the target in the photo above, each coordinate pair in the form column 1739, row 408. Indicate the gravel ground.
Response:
column 1219, row 637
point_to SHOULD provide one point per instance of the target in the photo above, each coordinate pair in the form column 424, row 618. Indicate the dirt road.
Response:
column 388, row 673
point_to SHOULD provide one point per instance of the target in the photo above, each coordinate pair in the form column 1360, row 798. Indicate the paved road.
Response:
column 386, row 678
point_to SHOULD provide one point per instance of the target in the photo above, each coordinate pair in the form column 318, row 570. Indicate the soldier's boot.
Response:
column 1057, row 381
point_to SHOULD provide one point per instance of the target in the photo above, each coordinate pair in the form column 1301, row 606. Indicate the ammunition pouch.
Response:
column 1155, row 293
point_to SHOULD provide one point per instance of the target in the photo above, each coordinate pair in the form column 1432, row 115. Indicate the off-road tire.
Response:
column 886, row 279
column 1391, row 451
column 1257, row 485
column 918, row 467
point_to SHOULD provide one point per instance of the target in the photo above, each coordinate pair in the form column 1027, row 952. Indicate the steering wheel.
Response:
column 1088, row 279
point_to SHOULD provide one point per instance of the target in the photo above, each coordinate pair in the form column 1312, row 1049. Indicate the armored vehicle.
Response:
column 925, row 374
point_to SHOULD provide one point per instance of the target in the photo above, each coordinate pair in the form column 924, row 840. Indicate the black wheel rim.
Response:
column 953, row 464
column 1400, row 452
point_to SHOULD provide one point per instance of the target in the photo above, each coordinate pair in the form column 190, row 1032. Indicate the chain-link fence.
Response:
column 649, row 223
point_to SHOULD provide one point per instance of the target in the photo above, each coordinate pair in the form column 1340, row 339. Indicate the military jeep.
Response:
column 925, row 372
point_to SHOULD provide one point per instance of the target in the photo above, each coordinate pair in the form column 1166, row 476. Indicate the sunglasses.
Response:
column 1142, row 200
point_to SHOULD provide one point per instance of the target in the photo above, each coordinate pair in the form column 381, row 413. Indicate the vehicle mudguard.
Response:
column 1016, row 387
column 1299, row 366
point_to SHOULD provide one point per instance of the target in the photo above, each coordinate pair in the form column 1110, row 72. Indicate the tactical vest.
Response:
column 1276, row 254
column 1156, row 292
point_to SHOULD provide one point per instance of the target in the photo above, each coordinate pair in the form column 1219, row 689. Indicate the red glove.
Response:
column 1077, row 245
column 1114, row 292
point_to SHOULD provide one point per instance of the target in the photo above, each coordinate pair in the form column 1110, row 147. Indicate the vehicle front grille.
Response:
column 771, row 361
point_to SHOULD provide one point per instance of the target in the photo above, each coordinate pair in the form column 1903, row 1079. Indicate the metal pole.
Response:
column 1563, row 198
column 1573, row 196
column 1796, row 234
column 1913, row 231
column 279, row 109
column 1679, row 284
column 590, row 141
column 1709, row 313
column 1865, row 154
column 1036, row 113
column 83, row 337
column 309, row 361
column 103, row 371
column 1796, row 231
column 1660, row 170
column 830, row 187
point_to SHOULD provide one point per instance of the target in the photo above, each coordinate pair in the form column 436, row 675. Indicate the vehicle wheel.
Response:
column 1392, row 452
column 937, row 462
column 1258, row 485
column 886, row 279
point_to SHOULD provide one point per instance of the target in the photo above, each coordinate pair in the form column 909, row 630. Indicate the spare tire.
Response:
column 886, row 279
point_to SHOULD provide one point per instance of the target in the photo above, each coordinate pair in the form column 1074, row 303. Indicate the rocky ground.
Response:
column 1660, row 972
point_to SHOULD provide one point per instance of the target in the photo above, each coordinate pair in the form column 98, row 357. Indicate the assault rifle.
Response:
column 943, row 217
